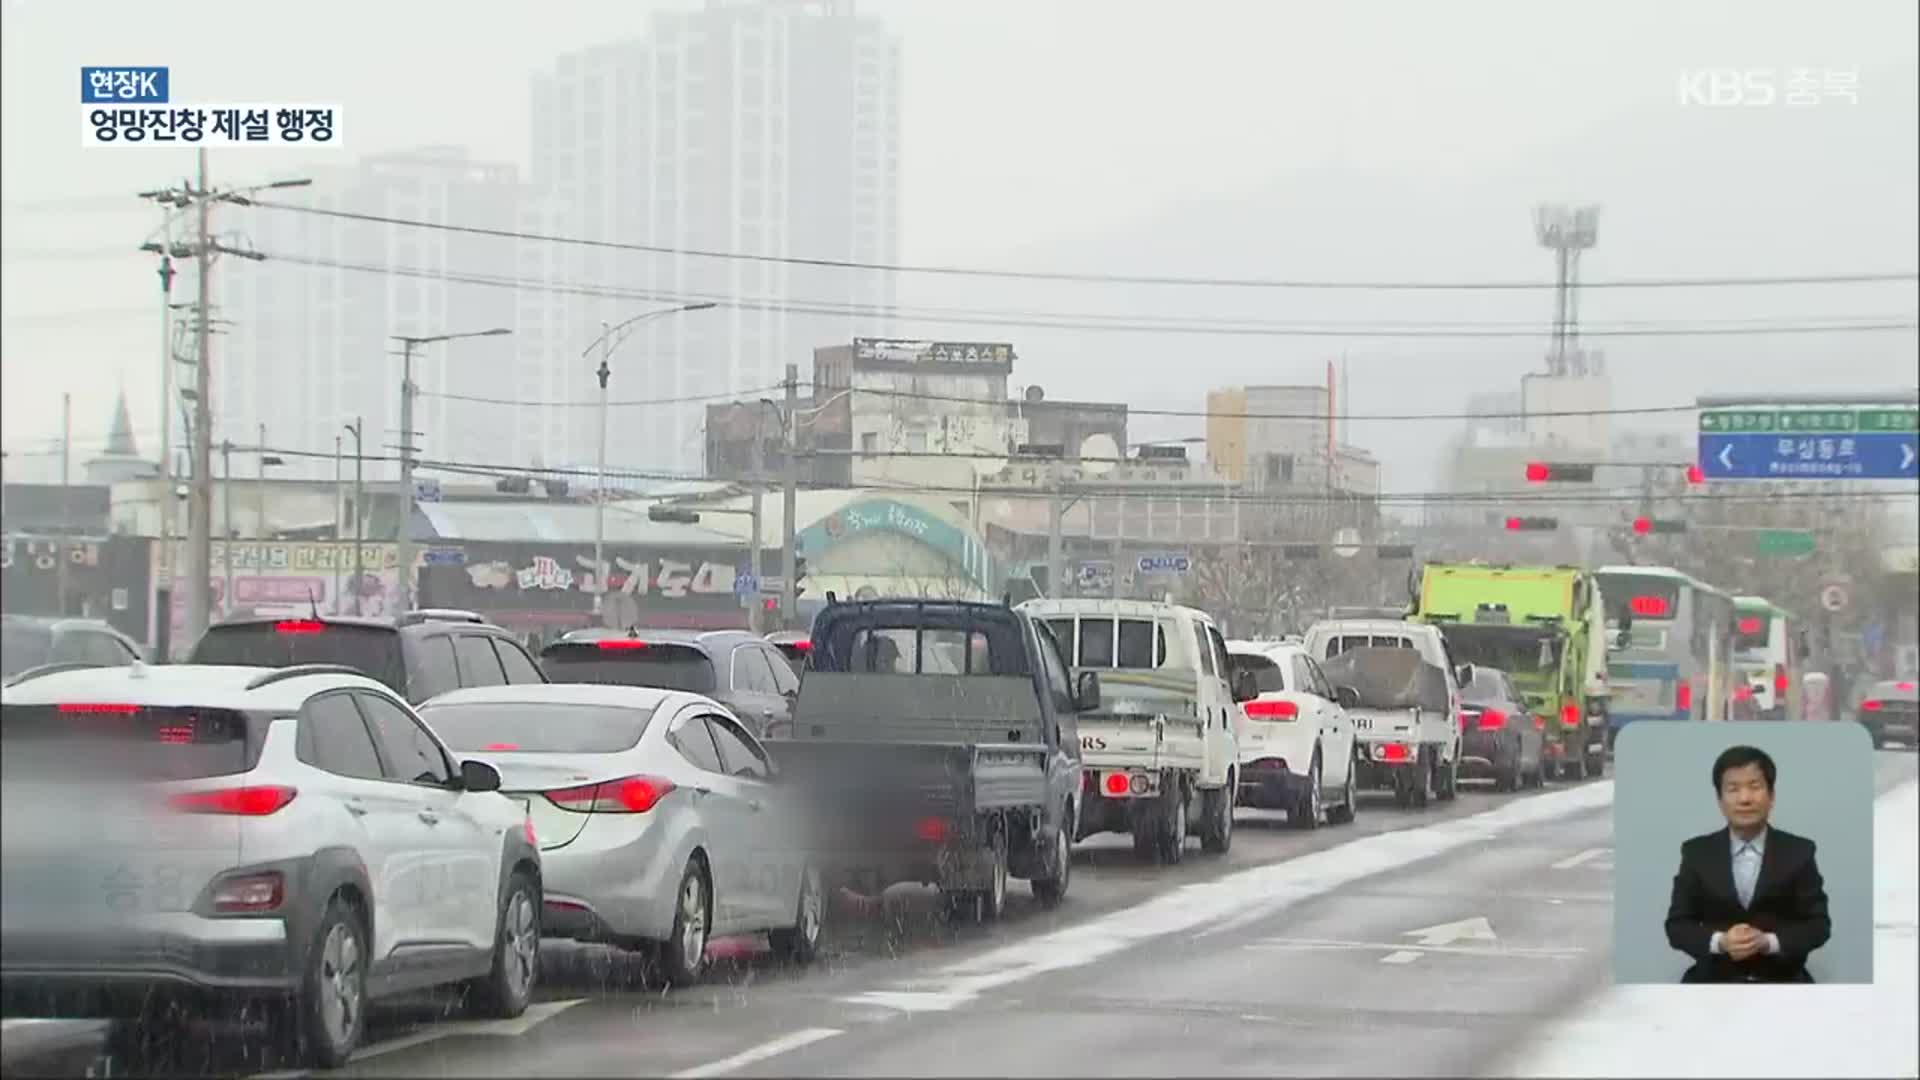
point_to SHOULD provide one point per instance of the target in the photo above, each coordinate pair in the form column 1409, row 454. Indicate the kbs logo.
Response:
column 1732, row 88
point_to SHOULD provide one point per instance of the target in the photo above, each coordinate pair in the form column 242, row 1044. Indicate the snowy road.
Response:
column 1468, row 941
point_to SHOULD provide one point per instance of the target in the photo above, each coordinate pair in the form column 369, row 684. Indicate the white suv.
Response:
column 188, row 835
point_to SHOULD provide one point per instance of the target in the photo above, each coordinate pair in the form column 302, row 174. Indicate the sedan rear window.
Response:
column 24, row 646
column 629, row 662
column 134, row 742
column 546, row 728
column 372, row 649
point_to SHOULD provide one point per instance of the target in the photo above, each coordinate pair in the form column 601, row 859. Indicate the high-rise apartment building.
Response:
column 749, row 130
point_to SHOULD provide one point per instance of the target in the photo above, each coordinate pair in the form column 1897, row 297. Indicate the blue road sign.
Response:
column 1166, row 562
column 1864, row 455
column 744, row 584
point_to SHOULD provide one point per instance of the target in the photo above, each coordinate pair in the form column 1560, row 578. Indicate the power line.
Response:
column 1112, row 279
column 1094, row 322
column 726, row 396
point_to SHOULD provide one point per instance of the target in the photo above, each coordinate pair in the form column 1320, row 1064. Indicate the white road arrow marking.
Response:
column 1474, row 929
column 1726, row 456
column 1906, row 456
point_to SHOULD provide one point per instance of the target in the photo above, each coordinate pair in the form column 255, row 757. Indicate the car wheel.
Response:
column 331, row 1009
column 1217, row 837
column 1446, row 785
column 1350, row 801
column 1307, row 810
column 508, row 987
column 1052, row 889
column 683, row 957
column 1172, row 840
column 800, row 943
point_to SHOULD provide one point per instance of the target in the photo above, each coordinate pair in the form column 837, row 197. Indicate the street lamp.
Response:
column 404, row 547
column 605, row 343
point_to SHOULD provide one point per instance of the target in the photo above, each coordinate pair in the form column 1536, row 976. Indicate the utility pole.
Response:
column 790, row 483
column 61, row 551
column 403, row 546
column 201, row 196
column 756, row 609
column 1056, row 542
column 226, row 522
column 339, row 519
column 162, row 635
column 600, row 485
column 358, row 426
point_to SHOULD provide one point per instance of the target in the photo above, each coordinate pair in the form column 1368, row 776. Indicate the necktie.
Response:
column 1744, row 880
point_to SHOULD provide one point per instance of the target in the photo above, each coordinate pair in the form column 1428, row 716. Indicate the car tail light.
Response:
column 1393, row 751
column 1750, row 626
column 1683, row 697
column 299, row 626
column 800, row 646
column 1873, row 706
column 1492, row 719
column 503, row 746
column 1780, row 679
column 627, row 795
column 258, row 801
column 933, row 830
column 1570, row 715
column 1272, row 710
column 1904, row 686
column 1539, row 723
column 1649, row 607
column 611, row 644
column 1116, row 783
column 252, row 892
column 115, row 708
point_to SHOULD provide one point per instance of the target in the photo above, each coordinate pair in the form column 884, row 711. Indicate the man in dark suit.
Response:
column 1748, row 903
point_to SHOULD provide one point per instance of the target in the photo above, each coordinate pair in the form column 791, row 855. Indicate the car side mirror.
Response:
column 478, row 776
column 1245, row 686
column 1465, row 674
column 1347, row 696
column 1086, row 691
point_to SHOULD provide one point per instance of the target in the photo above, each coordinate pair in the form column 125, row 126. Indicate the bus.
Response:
column 1767, row 653
column 1674, row 646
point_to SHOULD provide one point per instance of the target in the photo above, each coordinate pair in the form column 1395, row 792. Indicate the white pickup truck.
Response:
column 1159, row 751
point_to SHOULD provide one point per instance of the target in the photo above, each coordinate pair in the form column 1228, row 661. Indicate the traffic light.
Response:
column 1547, row 472
column 1393, row 551
column 1644, row 526
column 1532, row 524
column 1696, row 475
column 656, row 512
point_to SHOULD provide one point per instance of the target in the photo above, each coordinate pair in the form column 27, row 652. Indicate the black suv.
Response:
column 419, row 654
column 33, row 640
column 739, row 670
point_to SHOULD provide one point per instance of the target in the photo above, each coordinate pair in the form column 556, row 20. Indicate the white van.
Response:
column 1434, row 749
column 1160, row 750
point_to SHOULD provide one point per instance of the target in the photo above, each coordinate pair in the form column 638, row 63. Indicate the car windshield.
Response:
column 130, row 742
column 537, row 728
column 372, row 649
column 1485, row 689
column 1508, row 648
column 630, row 662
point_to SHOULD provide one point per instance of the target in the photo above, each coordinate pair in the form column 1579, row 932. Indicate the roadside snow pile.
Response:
column 1738, row 1031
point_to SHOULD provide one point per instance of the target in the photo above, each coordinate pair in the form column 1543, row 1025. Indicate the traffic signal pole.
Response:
column 789, row 495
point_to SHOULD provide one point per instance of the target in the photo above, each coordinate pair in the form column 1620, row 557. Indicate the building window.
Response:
column 916, row 442
column 869, row 442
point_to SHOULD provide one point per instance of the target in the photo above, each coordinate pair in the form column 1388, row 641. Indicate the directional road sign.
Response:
column 1165, row 562
column 1811, row 443
column 1784, row 543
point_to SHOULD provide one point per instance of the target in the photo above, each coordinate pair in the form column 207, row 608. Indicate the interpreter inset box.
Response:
column 1743, row 853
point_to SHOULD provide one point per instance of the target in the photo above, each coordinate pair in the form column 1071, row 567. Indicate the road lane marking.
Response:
column 1402, row 953
column 534, row 1016
column 787, row 1043
column 1268, row 889
column 1586, row 856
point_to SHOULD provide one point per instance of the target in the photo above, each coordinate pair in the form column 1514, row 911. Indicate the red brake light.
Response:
column 1683, row 697
column 1872, row 706
column 1779, row 679
column 1905, row 686
column 241, row 801
column 1751, row 625
column 253, row 892
column 115, row 708
column 1394, row 751
column 627, row 795
column 299, row 626
column 1116, row 783
column 1651, row 607
column 933, row 830
column 800, row 646
column 1492, row 719
column 1271, row 710
column 621, row 643
column 1570, row 715
column 503, row 746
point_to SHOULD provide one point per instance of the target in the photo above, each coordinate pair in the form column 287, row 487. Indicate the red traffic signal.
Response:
column 1643, row 526
column 1696, row 475
column 1544, row 472
column 1532, row 524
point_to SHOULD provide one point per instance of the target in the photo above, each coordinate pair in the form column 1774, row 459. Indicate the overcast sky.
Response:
column 1362, row 139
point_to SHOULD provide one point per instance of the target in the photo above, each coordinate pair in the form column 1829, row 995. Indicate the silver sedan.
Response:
column 661, row 821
